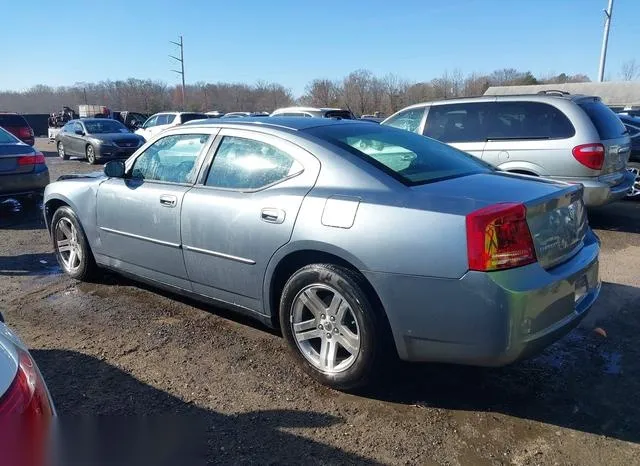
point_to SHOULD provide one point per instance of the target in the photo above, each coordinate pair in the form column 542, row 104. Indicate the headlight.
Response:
column 106, row 143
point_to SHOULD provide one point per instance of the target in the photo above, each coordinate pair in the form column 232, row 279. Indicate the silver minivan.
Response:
column 570, row 138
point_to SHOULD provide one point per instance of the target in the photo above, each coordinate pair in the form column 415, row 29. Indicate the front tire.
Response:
column 71, row 246
column 634, row 191
column 61, row 152
column 331, row 326
column 91, row 155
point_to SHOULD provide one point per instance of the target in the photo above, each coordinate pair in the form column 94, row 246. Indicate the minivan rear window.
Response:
column 606, row 122
column 10, row 119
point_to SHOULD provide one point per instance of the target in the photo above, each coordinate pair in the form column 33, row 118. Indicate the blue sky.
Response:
column 294, row 41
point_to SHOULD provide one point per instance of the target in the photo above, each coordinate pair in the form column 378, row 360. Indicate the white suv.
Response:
column 161, row 121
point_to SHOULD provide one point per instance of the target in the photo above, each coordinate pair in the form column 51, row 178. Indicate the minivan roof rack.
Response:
column 553, row 92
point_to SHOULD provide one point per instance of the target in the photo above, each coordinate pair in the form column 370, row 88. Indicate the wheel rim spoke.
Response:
column 328, row 352
column 308, row 335
column 313, row 303
column 65, row 229
column 325, row 328
column 304, row 326
column 349, row 341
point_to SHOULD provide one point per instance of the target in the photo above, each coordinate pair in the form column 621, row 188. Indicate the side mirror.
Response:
column 79, row 132
column 114, row 169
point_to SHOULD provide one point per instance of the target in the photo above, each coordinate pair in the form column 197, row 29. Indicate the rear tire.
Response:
column 634, row 192
column 61, row 152
column 71, row 246
column 91, row 155
column 331, row 327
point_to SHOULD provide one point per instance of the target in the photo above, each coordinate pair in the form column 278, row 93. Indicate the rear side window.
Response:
column 408, row 120
column 9, row 119
column 606, row 122
column 192, row 116
column 246, row 164
column 344, row 114
column 457, row 122
column 527, row 120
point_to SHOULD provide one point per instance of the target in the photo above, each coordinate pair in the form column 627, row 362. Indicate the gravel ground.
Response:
column 227, row 392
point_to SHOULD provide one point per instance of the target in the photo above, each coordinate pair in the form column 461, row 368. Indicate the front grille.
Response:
column 126, row 142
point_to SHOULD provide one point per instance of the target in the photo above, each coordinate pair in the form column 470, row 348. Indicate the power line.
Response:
column 181, row 60
column 605, row 40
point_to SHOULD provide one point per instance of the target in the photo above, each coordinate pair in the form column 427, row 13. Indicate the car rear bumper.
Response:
column 489, row 319
column 598, row 191
column 24, row 184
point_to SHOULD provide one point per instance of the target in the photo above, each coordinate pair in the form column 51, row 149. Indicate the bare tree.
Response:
column 322, row 93
column 630, row 70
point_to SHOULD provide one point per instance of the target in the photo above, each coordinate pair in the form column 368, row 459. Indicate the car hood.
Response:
column 82, row 176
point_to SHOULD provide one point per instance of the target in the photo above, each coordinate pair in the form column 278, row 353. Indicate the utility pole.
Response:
column 181, row 60
column 605, row 40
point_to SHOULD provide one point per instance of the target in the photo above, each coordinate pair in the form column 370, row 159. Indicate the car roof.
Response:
column 548, row 97
column 307, row 109
column 290, row 123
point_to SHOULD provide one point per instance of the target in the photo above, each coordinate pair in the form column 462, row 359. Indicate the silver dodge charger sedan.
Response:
column 361, row 242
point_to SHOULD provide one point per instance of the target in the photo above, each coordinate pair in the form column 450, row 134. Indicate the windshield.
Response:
column 105, row 126
column 408, row 157
column 7, row 138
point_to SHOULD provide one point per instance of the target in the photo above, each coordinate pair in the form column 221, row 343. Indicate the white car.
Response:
column 161, row 121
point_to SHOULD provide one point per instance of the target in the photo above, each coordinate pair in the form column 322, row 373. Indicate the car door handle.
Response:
column 167, row 200
column 270, row 215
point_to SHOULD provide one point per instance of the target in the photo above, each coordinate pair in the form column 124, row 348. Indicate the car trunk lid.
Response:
column 555, row 211
column 10, row 158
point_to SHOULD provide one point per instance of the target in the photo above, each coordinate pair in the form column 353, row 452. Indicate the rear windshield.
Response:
column 606, row 122
column 6, row 137
column 408, row 157
column 344, row 114
column 9, row 119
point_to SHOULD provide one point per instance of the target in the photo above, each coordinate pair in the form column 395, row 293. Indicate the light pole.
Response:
column 181, row 60
column 605, row 40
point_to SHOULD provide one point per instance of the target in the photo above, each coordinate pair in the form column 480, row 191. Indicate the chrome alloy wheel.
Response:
column 69, row 249
column 634, row 190
column 325, row 328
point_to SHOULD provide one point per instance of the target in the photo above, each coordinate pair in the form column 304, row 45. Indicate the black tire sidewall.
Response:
column 86, row 264
column 347, row 283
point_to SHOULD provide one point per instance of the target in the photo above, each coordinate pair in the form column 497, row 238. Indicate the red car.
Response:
column 18, row 126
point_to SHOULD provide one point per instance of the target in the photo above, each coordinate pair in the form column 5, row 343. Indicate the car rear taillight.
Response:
column 27, row 396
column 589, row 155
column 25, row 132
column 26, row 416
column 498, row 237
column 36, row 159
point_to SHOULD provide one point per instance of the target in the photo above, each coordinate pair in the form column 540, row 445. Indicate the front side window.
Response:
column 162, row 120
column 153, row 121
column 457, row 122
column 78, row 127
column 408, row 157
column 68, row 128
column 408, row 120
column 170, row 159
column 246, row 164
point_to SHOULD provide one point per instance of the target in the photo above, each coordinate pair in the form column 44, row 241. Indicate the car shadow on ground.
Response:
column 110, row 417
column 586, row 381
column 29, row 265
column 623, row 216
column 14, row 215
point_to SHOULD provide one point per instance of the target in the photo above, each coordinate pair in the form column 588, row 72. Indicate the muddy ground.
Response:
column 228, row 386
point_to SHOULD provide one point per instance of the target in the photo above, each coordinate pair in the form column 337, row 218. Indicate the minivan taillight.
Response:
column 590, row 155
column 498, row 237
column 36, row 159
